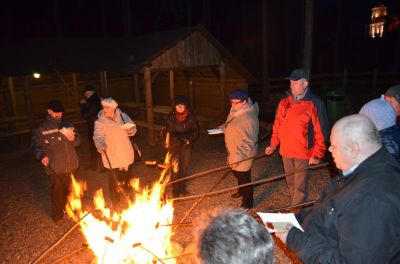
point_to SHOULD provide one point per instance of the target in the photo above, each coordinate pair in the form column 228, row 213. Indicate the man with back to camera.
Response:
column 301, row 128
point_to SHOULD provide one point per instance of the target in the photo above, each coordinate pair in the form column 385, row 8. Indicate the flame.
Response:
column 137, row 234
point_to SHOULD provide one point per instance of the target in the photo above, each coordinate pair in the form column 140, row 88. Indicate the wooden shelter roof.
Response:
column 25, row 56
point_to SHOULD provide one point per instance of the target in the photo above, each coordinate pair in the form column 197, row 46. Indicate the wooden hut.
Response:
column 142, row 74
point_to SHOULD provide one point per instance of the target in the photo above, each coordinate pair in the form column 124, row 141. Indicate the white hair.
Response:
column 235, row 238
column 109, row 102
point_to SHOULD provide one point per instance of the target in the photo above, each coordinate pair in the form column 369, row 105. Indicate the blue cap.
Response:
column 238, row 94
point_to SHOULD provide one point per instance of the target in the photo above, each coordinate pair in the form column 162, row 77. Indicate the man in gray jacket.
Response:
column 241, row 135
column 53, row 144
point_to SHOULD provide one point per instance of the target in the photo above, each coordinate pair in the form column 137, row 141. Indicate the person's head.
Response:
column 109, row 106
column 392, row 95
column 298, row 82
column 55, row 109
column 180, row 103
column 238, row 98
column 89, row 91
column 353, row 139
column 380, row 112
column 232, row 237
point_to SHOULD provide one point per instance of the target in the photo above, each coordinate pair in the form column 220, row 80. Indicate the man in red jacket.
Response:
column 301, row 129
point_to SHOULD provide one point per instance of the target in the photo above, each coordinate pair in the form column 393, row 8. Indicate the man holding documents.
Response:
column 53, row 144
column 356, row 219
column 111, row 137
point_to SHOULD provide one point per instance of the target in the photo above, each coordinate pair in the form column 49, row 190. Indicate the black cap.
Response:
column 55, row 106
column 297, row 75
column 89, row 87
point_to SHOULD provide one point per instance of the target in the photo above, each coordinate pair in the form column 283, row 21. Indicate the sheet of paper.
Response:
column 279, row 221
column 215, row 131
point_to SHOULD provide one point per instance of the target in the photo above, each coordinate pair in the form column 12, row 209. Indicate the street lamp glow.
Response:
column 36, row 75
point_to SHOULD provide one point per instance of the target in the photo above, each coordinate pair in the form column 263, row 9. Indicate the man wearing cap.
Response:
column 392, row 95
column 241, row 135
column 111, row 138
column 90, row 107
column 301, row 129
column 53, row 144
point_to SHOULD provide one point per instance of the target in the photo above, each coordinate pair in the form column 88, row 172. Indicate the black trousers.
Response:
column 94, row 155
column 181, row 156
column 246, row 192
column 118, row 181
column 60, row 188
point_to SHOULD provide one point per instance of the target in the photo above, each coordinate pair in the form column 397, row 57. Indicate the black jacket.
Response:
column 356, row 219
column 90, row 110
column 181, row 131
column 48, row 141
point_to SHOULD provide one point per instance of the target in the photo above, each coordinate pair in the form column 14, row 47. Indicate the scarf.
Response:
column 181, row 116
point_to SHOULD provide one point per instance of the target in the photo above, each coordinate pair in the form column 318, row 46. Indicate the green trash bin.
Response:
column 335, row 105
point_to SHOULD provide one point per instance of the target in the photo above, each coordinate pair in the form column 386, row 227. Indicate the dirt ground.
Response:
column 27, row 228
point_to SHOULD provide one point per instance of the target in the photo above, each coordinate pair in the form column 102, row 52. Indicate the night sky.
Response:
column 340, row 28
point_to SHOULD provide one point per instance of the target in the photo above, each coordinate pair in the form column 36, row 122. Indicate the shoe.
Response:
column 236, row 195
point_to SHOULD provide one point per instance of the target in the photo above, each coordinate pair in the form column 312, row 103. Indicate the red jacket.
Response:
column 301, row 128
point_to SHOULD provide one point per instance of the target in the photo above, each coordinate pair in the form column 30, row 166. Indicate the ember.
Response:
column 140, row 233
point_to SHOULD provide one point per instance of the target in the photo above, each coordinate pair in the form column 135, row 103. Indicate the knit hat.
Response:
column 238, row 94
column 394, row 91
column 380, row 112
column 55, row 106
column 109, row 102
column 180, row 99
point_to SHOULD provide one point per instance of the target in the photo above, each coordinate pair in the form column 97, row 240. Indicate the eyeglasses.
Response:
column 238, row 102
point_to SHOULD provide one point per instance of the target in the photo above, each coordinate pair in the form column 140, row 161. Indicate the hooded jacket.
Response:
column 356, row 219
column 241, row 135
column 109, row 134
column 48, row 141
column 301, row 127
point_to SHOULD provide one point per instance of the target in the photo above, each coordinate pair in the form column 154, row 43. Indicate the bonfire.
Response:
column 140, row 233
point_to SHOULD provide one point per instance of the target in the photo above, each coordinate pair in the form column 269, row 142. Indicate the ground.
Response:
column 27, row 228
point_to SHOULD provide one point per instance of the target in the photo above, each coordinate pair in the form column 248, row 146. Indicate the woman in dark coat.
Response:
column 183, row 130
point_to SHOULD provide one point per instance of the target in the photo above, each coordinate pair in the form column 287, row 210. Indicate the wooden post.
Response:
column 345, row 80
column 103, row 84
column 171, row 85
column 12, row 95
column 149, row 105
column 191, row 93
column 136, row 87
column 28, row 100
column 222, row 87
column 75, row 87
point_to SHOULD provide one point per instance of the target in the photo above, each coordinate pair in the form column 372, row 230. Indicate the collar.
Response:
column 349, row 171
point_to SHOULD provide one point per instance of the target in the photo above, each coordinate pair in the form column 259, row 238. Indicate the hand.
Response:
column 70, row 137
column 313, row 161
column 101, row 150
column 282, row 236
column 269, row 150
column 83, row 101
column 45, row 161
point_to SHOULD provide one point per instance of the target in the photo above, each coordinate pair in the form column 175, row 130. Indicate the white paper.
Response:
column 279, row 219
column 127, row 126
column 66, row 131
column 215, row 131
